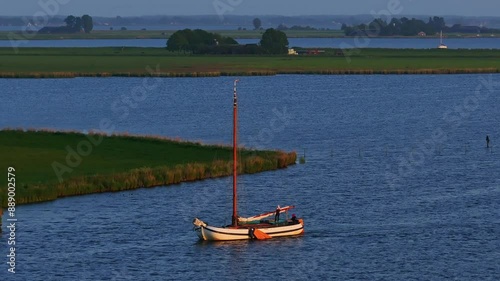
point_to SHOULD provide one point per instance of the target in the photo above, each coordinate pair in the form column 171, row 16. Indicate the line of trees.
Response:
column 296, row 27
column 402, row 27
column 410, row 27
column 202, row 42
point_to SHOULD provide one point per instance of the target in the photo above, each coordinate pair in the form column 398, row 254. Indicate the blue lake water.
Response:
column 346, row 43
column 398, row 183
column 397, row 43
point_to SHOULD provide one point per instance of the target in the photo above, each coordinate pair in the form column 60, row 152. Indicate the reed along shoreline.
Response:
column 255, row 73
column 117, row 163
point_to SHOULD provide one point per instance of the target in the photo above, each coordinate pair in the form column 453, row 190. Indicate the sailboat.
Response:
column 442, row 45
column 258, row 227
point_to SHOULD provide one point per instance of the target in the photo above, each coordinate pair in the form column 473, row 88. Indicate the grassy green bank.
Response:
column 133, row 62
column 115, row 163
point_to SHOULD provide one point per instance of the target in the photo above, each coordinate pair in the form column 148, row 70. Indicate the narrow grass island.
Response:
column 138, row 62
column 50, row 165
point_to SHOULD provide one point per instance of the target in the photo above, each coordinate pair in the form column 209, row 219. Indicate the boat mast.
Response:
column 235, row 153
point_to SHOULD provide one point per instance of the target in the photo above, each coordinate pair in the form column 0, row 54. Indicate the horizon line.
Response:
column 263, row 15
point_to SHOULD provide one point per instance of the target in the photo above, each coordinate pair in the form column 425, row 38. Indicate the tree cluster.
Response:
column 274, row 42
column 202, row 42
column 73, row 25
column 77, row 24
column 196, row 40
column 257, row 23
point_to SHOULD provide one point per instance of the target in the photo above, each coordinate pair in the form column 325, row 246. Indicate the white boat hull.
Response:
column 211, row 233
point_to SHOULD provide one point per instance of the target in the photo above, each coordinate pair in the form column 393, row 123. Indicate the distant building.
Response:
column 292, row 52
column 422, row 34
column 310, row 52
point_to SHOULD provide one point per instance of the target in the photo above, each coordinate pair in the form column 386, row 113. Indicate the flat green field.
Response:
column 53, row 164
column 73, row 62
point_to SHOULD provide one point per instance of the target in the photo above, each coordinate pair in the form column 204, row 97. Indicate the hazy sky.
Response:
column 251, row 7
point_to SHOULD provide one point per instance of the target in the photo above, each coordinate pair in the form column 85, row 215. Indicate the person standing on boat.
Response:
column 277, row 215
